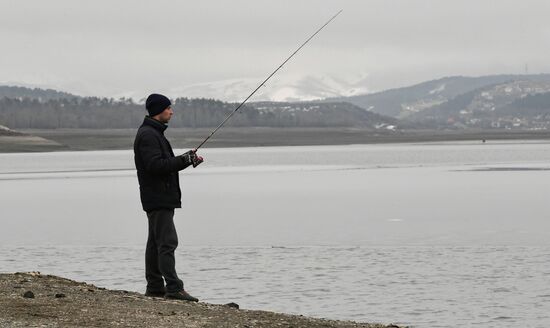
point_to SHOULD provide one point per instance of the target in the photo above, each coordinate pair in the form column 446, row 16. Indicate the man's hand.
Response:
column 192, row 158
column 196, row 159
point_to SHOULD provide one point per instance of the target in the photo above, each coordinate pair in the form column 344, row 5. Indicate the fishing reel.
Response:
column 192, row 158
column 196, row 159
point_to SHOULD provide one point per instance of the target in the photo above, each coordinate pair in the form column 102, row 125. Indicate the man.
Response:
column 157, row 171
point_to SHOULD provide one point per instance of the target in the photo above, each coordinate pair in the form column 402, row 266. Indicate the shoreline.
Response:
column 32, row 299
column 119, row 139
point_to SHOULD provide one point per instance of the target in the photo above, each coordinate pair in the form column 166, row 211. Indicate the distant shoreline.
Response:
column 119, row 139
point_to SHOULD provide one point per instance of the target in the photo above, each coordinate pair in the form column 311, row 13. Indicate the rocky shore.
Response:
column 36, row 300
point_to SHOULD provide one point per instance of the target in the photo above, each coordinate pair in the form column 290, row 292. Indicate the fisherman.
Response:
column 157, row 171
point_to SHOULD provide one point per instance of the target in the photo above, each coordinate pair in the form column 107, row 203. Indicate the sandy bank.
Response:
column 27, row 143
column 60, row 302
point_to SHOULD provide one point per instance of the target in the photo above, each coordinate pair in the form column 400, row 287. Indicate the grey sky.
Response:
column 107, row 48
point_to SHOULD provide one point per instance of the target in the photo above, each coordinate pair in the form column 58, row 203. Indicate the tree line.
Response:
column 104, row 113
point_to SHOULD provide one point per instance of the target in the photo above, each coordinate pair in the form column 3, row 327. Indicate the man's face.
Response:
column 165, row 116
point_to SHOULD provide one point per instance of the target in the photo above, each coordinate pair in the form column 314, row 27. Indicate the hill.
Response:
column 488, row 102
column 518, row 104
column 403, row 102
column 33, row 93
column 282, row 89
column 104, row 113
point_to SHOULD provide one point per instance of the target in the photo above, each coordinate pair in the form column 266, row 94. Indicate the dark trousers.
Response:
column 159, row 253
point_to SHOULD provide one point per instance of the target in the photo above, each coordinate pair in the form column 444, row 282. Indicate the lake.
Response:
column 428, row 235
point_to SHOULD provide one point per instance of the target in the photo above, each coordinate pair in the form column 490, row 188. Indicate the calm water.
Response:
column 429, row 235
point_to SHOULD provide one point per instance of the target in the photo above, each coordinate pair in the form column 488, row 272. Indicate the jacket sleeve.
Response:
column 150, row 152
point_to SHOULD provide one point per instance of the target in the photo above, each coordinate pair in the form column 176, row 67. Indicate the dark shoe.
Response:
column 181, row 295
column 155, row 293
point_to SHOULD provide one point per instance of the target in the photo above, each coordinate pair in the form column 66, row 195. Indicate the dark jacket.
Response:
column 157, row 167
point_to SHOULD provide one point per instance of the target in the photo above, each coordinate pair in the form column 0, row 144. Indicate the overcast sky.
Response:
column 108, row 48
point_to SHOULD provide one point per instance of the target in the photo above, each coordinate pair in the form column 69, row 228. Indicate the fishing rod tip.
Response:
column 338, row 13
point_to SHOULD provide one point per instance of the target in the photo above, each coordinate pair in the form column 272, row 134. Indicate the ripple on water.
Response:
column 417, row 286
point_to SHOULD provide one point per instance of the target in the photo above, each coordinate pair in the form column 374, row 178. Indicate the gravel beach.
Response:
column 36, row 300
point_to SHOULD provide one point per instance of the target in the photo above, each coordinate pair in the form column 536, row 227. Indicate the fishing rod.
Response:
column 263, row 83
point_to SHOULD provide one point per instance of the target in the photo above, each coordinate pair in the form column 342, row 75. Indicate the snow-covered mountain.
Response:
column 283, row 88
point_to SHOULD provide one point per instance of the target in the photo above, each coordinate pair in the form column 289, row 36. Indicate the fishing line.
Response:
column 270, row 75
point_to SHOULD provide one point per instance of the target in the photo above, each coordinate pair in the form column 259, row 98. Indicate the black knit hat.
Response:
column 156, row 104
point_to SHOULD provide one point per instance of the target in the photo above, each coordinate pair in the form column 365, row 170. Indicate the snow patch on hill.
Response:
column 279, row 89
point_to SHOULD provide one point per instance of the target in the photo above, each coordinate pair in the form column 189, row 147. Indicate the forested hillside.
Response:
column 98, row 113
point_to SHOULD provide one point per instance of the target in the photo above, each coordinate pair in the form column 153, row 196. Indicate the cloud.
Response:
column 111, row 47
